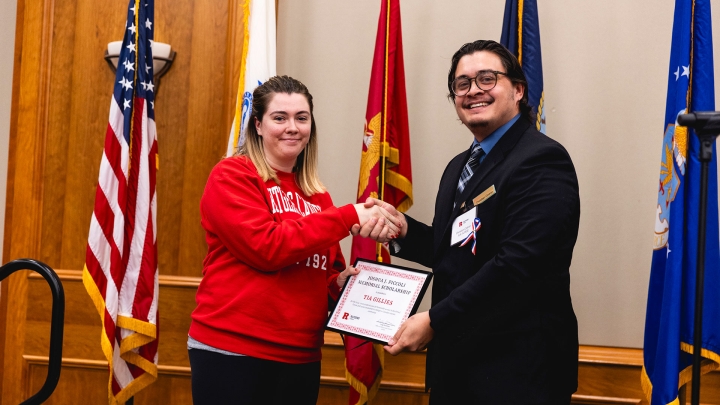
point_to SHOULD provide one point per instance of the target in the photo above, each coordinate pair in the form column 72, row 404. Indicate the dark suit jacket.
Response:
column 505, row 330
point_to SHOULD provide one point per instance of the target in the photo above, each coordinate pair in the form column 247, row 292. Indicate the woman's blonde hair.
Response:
column 306, row 165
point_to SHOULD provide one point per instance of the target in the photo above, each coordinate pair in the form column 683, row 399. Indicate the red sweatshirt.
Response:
column 273, row 257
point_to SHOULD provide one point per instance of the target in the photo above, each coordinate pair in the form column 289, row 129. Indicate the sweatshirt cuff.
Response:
column 333, row 287
column 349, row 215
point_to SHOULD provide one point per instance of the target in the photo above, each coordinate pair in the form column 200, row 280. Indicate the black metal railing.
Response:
column 56, row 326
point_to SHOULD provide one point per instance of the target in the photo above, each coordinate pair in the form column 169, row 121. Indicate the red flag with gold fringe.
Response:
column 385, row 173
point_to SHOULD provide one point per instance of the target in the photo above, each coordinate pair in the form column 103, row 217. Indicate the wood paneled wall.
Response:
column 61, row 97
column 608, row 376
column 73, row 90
column 84, row 372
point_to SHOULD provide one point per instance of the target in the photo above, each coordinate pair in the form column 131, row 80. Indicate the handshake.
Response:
column 379, row 221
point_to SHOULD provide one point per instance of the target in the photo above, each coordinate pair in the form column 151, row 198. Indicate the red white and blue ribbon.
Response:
column 476, row 227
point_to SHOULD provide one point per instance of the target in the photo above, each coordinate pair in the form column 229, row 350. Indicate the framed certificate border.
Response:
column 373, row 304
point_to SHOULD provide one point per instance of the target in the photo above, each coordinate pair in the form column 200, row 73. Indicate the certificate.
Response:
column 374, row 303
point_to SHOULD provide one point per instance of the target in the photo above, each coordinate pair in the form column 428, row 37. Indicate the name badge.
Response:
column 462, row 226
column 482, row 197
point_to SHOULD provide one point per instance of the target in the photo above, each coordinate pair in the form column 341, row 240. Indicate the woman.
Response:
column 273, row 257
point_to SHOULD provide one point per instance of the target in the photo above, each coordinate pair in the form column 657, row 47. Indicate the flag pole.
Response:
column 383, row 145
column 707, row 128
column 700, row 280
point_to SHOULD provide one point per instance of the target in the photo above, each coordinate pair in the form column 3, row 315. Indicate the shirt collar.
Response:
column 489, row 142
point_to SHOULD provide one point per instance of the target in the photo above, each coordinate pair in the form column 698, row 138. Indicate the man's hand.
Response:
column 378, row 229
column 376, row 220
column 414, row 334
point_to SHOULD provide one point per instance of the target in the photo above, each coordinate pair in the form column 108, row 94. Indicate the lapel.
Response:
column 486, row 168
column 446, row 192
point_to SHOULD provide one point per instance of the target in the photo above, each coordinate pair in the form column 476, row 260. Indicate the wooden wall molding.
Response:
column 608, row 375
column 597, row 400
column 611, row 355
column 99, row 365
column 412, row 392
column 163, row 280
column 78, row 363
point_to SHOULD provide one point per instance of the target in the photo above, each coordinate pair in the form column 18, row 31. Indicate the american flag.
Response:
column 121, row 274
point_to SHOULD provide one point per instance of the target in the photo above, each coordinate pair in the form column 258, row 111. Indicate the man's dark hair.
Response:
column 509, row 61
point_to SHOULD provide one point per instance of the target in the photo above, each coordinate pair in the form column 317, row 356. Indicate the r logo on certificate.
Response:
column 373, row 304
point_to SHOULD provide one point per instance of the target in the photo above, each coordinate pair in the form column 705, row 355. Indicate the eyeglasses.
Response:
column 485, row 80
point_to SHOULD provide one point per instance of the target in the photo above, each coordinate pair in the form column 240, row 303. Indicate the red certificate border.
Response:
column 334, row 322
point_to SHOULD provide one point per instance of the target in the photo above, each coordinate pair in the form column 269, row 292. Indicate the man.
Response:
column 501, row 329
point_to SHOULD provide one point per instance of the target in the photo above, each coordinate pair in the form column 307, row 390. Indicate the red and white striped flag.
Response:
column 121, row 274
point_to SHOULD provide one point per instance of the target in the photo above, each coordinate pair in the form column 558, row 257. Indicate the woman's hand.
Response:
column 378, row 229
column 375, row 217
column 342, row 277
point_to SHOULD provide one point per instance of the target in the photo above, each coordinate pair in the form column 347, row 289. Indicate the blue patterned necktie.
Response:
column 470, row 167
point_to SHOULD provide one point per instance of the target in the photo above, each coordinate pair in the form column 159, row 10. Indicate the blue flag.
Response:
column 669, row 321
column 521, row 35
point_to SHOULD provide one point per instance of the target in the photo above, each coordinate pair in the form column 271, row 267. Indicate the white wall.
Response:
column 605, row 66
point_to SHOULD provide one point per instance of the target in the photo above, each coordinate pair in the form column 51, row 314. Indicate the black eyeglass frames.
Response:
column 485, row 80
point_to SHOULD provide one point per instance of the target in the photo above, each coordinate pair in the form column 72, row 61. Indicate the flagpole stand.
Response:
column 707, row 128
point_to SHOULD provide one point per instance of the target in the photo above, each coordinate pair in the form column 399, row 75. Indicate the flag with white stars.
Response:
column 669, row 322
column 121, row 272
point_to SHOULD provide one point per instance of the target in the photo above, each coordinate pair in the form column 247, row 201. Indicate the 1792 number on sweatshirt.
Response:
column 317, row 261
